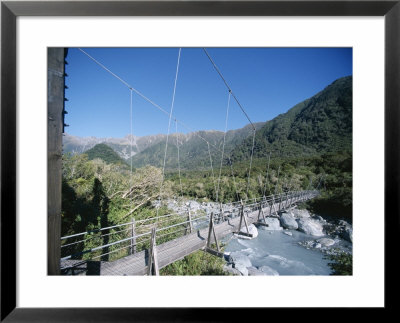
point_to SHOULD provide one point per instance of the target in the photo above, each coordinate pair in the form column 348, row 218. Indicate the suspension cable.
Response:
column 179, row 166
column 229, row 88
column 212, row 169
column 241, row 107
column 279, row 168
column 145, row 97
column 131, row 123
column 251, row 161
column 266, row 177
column 233, row 176
column 169, row 124
column 223, row 145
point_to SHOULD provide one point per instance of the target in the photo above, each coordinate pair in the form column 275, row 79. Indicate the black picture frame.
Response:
column 10, row 10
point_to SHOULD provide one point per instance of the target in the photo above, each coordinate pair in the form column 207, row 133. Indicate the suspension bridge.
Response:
column 143, row 247
column 143, row 251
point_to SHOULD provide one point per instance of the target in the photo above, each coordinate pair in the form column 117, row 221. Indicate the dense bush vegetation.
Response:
column 342, row 263
column 196, row 264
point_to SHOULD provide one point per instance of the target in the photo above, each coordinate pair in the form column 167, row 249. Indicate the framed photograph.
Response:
column 31, row 287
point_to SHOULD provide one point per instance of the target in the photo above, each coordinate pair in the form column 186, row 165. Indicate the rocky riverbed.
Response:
column 296, row 243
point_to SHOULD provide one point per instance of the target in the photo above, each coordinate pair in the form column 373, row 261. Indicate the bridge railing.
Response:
column 121, row 240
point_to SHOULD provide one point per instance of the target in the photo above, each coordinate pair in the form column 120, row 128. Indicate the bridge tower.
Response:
column 56, row 111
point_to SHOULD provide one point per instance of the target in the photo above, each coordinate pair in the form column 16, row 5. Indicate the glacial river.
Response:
column 275, row 252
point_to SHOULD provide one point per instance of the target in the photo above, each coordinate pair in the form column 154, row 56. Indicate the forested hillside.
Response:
column 106, row 153
column 194, row 153
column 321, row 124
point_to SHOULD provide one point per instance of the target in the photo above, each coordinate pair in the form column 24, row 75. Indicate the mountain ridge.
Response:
column 320, row 124
column 151, row 145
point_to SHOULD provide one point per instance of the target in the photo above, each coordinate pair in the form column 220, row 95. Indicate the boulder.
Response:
column 194, row 205
column 268, row 271
column 252, row 230
column 311, row 227
column 231, row 270
column 298, row 214
column 321, row 219
column 171, row 205
column 288, row 221
column 242, row 269
column 253, row 271
column 237, row 258
column 326, row 242
column 344, row 230
column 273, row 224
column 347, row 234
column 343, row 223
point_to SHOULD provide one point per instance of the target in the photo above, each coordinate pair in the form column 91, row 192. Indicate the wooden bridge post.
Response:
column 153, row 259
column 273, row 206
column 189, row 226
column 243, row 218
column 287, row 199
column 211, row 229
column 291, row 198
column 280, row 203
column 55, row 128
column 132, row 248
column 261, row 212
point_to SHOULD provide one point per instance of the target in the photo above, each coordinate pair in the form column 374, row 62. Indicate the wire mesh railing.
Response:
column 121, row 240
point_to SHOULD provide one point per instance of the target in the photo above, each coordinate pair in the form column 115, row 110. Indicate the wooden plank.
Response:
column 245, row 234
column 215, row 237
column 190, row 221
column 153, row 259
column 214, row 252
column 210, row 226
column 132, row 248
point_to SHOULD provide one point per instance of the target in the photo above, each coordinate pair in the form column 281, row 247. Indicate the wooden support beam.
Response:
column 153, row 259
column 211, row 229
column 190, row 221
column 243, row 218
column 261, row 212
column 132, row 248
column 273, row 206
column 221, row 212
column 245, row 234
column 214, row 252
column 189, row 225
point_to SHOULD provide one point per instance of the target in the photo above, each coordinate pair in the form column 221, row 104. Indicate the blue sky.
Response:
column 266, row 81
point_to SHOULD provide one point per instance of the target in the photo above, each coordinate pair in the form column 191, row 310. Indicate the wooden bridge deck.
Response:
column 171, row 251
